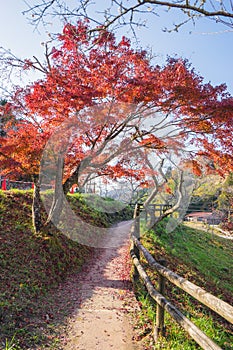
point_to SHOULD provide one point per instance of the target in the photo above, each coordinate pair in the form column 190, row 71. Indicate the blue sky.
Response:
column 209, row 48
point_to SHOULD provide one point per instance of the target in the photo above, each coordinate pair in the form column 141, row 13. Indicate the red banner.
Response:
column 4, row 188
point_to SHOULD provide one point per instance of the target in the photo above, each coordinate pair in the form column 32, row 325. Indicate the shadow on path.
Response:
column 93, row 309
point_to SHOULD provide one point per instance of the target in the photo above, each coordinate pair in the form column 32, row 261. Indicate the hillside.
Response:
column 31, row 267
column 202, row 258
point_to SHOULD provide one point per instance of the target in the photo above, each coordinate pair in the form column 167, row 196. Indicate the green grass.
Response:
column 208, row 253
column 32, row 267
column 205, row 260
column 103, row 210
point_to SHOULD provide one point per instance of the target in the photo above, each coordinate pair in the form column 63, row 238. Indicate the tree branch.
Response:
column 219, row 12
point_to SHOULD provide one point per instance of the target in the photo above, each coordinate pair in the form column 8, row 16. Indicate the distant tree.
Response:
column 225, row 199
column 3, row 120
column 206, row 191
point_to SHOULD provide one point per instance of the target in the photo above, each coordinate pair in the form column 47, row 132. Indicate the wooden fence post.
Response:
column 136, row 233
column 159, row 329
column 137, row 221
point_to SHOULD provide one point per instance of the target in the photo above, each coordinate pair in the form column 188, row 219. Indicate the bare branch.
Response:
column 120, row 13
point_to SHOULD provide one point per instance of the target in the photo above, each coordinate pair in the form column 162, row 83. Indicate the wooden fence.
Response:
column 219, row 306
column 7, row 184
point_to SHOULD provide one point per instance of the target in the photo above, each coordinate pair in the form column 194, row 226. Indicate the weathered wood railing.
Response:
column 219, row 306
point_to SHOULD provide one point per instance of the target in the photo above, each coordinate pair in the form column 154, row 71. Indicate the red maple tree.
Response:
column 104, row 103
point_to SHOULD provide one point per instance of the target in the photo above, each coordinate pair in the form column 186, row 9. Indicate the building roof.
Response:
column 200, row 214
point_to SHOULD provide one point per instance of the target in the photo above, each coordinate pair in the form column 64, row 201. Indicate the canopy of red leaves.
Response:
column 85, row 72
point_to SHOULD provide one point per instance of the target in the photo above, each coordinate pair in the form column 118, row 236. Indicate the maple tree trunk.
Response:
column 176, row 206
column 58, row 197
column 60, row 190
column 72, row 179
column 36, row 207
column 56, row 208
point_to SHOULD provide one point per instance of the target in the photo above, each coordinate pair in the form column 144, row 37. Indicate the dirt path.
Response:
column 105, row 301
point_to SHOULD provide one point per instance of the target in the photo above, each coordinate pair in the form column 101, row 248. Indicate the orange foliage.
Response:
column 86, row 72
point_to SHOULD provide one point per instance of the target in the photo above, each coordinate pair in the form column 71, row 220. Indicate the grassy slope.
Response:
column 202, row 258
column 32, row 266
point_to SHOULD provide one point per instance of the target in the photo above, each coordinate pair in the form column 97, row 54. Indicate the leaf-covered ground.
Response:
column 41, row 276
column 104, row 305
column 31, row 270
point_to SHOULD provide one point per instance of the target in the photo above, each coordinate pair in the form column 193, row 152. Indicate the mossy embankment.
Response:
column 32, row 266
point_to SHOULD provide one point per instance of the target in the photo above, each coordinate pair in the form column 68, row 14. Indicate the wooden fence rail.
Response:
column 219, row 306
column 200, row 337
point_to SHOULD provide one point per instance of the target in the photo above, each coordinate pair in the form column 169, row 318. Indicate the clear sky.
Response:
column 209, row 48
